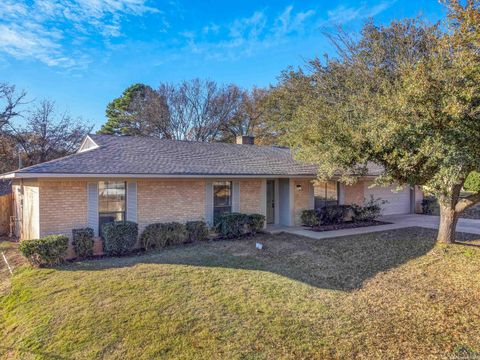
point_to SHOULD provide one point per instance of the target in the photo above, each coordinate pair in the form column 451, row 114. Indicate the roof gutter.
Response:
column 18, row 175
column 8, row 176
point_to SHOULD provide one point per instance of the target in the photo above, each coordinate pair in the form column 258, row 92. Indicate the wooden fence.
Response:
column 6, row 210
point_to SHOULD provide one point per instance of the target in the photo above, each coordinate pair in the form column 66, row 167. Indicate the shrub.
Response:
column 83, row 242
column 154, row 236
column 370, row 210
column 119, row 237
column 162, row 234
column 256, row 223
column 176, row 233
column 428, row 205
column 333, row 214
column 232, row 225
column 196, row 231
column 310, row 218
column 49, row 250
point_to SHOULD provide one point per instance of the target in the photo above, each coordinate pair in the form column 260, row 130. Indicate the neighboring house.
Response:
column 150, row 180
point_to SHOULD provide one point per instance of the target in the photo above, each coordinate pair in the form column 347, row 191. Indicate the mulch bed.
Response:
column 348, row 225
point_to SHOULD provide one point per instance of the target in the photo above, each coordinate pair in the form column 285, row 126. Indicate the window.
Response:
column 326, row 193
column 222, row 198
column 111, row 201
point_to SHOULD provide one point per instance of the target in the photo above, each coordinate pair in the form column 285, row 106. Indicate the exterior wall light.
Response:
column 299, row 187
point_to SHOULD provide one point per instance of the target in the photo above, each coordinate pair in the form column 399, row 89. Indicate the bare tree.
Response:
column 249, row 119
column 8, row 153
column 200, row 109
column 153, row 113
column 49, row 134
column 10, row 101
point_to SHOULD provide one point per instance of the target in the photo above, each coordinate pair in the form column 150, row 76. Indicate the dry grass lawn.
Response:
column 386, row 295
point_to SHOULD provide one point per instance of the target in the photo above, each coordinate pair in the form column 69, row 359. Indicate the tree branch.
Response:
column 467, row 202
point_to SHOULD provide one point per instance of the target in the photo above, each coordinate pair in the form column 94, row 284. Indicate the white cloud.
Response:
column 287, row 23
column 343, row 14
column 46, row 30
column 212, row 28
column 247, row 35
column 262, row 30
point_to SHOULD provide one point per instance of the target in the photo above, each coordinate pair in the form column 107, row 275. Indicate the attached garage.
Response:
column 398, row 202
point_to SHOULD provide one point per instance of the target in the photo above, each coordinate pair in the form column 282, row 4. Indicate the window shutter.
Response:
column 132, row 201
column 209, row 202
column 263, row 198
column 92, row 206
column 235, row 196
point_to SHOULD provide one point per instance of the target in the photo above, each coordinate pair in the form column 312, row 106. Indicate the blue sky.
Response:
column 84, row 53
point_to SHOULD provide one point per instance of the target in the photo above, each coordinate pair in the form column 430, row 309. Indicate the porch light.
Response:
column 299, row 187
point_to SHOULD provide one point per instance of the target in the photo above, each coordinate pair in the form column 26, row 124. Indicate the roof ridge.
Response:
column 185, row 141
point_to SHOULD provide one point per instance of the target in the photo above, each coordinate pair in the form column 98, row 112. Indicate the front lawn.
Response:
column 380, row 295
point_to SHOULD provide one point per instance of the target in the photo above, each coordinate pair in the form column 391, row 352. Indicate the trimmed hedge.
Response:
column 256, row 223
column 235, row 225
column 370, row 210
column 50, row 250
column 119, row 237
column 83, row 242
column 333, row 214
column 337, row 214
column 429, row 204
column 176, row 233
column 197, row 231
column 232, row 225
column 162, row 234
column 310, row 218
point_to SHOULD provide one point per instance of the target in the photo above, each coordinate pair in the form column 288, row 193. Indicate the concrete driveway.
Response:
column 427, row 221
column 396, row 222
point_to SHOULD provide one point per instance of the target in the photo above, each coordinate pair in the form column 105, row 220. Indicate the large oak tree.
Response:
column 404, row 96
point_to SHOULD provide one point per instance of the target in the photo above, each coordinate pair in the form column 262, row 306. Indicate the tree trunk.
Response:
column 448, row 224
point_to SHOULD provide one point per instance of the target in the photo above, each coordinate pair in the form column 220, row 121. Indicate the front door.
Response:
column 270, row 201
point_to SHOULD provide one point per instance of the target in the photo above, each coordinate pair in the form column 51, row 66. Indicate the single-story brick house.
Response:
column 150, row 180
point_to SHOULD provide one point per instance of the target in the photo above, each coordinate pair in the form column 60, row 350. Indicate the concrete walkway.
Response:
column 471, row 226
column 397, row 222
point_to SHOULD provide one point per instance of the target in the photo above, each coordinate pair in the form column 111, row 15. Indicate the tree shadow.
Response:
column 36, row 353
column 343, row 263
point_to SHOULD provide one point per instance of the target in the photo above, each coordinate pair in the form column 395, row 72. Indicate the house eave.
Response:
column 8, row 176
column 149, row 176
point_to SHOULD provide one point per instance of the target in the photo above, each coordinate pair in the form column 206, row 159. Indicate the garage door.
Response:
column 398, row 201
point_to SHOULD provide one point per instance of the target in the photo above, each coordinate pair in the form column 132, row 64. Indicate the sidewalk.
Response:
column 397, row 222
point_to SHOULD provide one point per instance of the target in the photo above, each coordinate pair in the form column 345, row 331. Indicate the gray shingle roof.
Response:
column 152, row 156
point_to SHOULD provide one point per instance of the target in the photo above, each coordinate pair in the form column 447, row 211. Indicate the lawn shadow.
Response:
column 37, row 353
column 343, row 263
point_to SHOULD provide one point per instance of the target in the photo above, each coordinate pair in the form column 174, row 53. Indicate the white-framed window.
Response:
column 111, row 202
column 326, row 193
column 222, row 198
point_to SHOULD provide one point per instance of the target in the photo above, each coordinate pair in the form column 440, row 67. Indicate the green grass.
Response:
column 382, row 295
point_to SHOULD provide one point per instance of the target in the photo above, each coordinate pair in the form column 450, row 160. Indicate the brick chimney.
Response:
column 245, row 140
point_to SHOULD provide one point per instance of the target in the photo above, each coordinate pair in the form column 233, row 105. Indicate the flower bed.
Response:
column 347, row 225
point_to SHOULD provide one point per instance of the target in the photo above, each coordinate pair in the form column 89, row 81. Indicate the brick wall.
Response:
column 303, row 199
column 63, row 207
column 169, row 200
column 354, row 194
column 251, row 197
